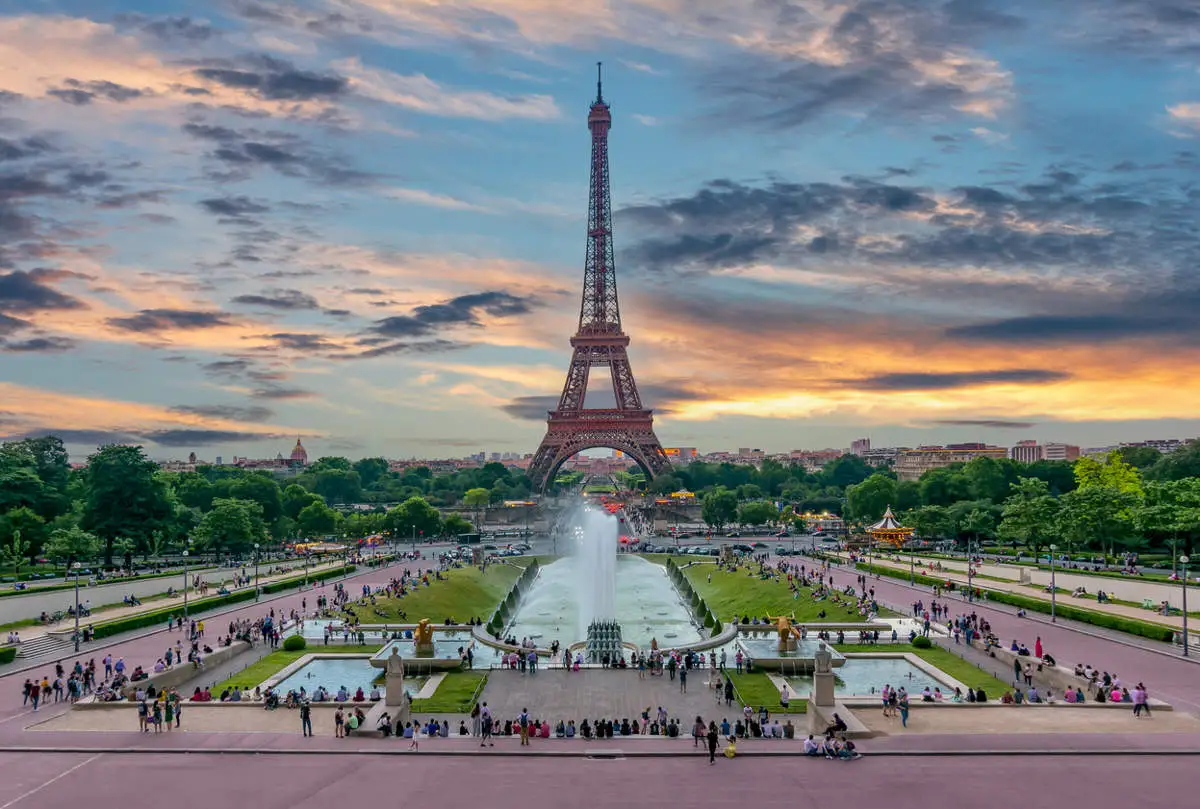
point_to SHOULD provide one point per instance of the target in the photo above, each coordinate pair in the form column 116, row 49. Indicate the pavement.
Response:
column 67, row 781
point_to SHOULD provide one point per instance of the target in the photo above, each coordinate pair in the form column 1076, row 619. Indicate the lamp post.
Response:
column 306, row 555
column 1053, row 589
column 414, row 538
column 75, row 567
column 970, row 574
column 185, row 584
column 912, row 562
column 256, row 571
column 1183, row 560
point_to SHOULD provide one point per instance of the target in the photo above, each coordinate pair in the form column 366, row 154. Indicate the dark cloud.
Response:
column 233, row 207
column 885, row 49
column 81, row 93
column 530, row 408
column 991, row 423
column 130, row 199
column 227, row 368
column 279, row 393
column 239, row 153
column 154, row 320
column 463, row 310
column 22, row 148
column 24, row 291
column 381, row 347
column 40, row 345
column 964, row 379
column 253, row 413
column 169, row 29
column 274, row 79
column 1159, row 29
column 1054, row 329
column 287, row 299
column 11, row 325
column 195, row 437
column 94, row 438
column 301, row 342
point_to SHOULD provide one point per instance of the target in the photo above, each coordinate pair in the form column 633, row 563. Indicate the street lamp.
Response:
column 970, row 574
column 75, row 567
column 1053, row 589
column 256, row 571
column 306, row 555
column 912, row 561
column 185, row 585
column 1183, row 561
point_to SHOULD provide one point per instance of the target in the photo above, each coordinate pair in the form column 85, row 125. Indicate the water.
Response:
column 645, row 603
column 352, row 672
column 593, row 563
column 862, row 674
column 445, row 646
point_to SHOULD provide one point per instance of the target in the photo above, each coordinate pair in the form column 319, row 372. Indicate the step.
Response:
column 41, row 646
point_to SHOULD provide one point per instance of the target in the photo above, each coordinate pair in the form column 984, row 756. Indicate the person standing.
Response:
column 339, row 723
column 476, row 721
column 712, row 743
column 523, row 721
column 903, row 705
column 306, row 718
column 683, row 679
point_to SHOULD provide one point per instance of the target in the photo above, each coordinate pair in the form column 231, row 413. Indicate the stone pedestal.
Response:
column 822, row 694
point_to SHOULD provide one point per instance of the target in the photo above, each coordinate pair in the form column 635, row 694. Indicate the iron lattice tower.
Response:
column 599, row 342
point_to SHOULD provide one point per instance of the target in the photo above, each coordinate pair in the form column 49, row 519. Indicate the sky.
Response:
column 224, row 225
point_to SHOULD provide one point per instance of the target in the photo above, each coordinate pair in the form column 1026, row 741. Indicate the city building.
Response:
column 1026, row 452
column 299, row 454
column 882, row 456
column 860, row 446
column 1059, row 452
column 911, row 464
column 813, row 460
column 681, row 455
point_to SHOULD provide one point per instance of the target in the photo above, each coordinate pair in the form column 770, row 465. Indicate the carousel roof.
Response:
column 888, row 523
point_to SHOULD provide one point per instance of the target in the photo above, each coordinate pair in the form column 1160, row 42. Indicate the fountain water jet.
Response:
column 594, row 563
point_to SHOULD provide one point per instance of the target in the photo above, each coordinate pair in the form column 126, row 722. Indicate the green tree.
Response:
column 477, row 499
column 318, row 519
column 296, row 499
column 455, row 524
column 665, row 484
column 47, row 458
column 336, row 485
column 27, row 523
column 1140, row 457
column 757, row 512
column 868, row 500
column 414, row 516
column 1112, row 472
column 1096, row 516
column 929, row 522
column 370, row 470
column 195, row 491
column 16, row 553
column 124, row 497
column 978, row 523
column 263, row 490
column 1030, row 514
column 233, row 526
column 988, row 478
column 845, row 471
column 328, row 462
column 20, row 485
column 67, row 545
column 719, row 507
column 1183, row 462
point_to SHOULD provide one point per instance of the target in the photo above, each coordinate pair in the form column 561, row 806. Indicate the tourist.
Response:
column 523, row 721
column 783, row 697
column 902, row 703
column 712, row 743
column 683, row 679
column 698, row 731
column 339, row 723
column 811, row 746
column 306, row 718
column 1141, row 700
column 375, row 694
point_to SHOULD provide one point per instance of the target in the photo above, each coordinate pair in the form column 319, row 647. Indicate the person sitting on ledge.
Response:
column 560, row 730
column 838, row 725
column 544, row 733
column 571, row 729
column 375, row 694
column 926, row 695
column 359, row 696
column 980, row 695
column 585, row 729
column 197, row 695
column 342, row 695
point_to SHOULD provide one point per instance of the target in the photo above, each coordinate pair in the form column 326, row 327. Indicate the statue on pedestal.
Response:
column 393, row 684
column 823, row 660
column 424, row 637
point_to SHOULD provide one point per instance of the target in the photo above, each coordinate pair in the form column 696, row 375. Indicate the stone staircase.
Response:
column 48, row 644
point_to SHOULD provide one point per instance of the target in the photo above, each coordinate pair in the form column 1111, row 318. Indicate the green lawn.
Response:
column 962, row 670
column 743, row 593
column 456, row 693
column 757, row 689
column 464, row 593
column 275, row 662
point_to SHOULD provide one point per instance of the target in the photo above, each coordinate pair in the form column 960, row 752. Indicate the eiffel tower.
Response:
column 599, row 342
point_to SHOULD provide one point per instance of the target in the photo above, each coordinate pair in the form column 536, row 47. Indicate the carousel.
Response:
column 889, row 530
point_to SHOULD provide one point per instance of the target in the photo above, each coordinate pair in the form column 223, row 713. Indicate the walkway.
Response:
column 1036, row 592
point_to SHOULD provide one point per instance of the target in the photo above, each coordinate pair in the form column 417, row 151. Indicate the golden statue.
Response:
column 654, row 644
column 787, row 633
column 424, row 634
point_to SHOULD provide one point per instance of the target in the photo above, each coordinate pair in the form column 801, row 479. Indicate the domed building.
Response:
column 299, row 454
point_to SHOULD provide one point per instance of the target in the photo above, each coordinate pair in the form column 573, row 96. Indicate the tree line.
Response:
column 122, row 505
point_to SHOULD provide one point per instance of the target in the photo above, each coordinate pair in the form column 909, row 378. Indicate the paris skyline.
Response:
column 363, row 221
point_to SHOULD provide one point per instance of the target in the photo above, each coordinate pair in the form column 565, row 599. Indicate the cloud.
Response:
column 645, row 120
column 463, row 310
column 273, row 79
column 530, row 408
column 252, row 413
column 285, row 299
column 1187, row 116
column 422, row 94
column 237, row 207
column 961, row 379
column 241, row 152
column 40, row 345
column 154, row 320
column 184, row 437
column 428, row 198
column 23, row 291
column 169, row 29
column 279, row 393
column 988, row 423
column 11, row 325
column 301, row 342
column 80, row 93
column 24, row 148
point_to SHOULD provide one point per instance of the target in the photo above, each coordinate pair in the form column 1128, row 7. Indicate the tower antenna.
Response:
column 599, row 92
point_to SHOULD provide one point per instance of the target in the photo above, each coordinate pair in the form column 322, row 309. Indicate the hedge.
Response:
column 509, row 603
column 294, row 643
column 706, row 616
column 1102, row 619
column 109, row 628
column 8, row 654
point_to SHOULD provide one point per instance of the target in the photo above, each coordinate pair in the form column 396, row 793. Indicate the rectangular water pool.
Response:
column 333, row 673
column 863, row 676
